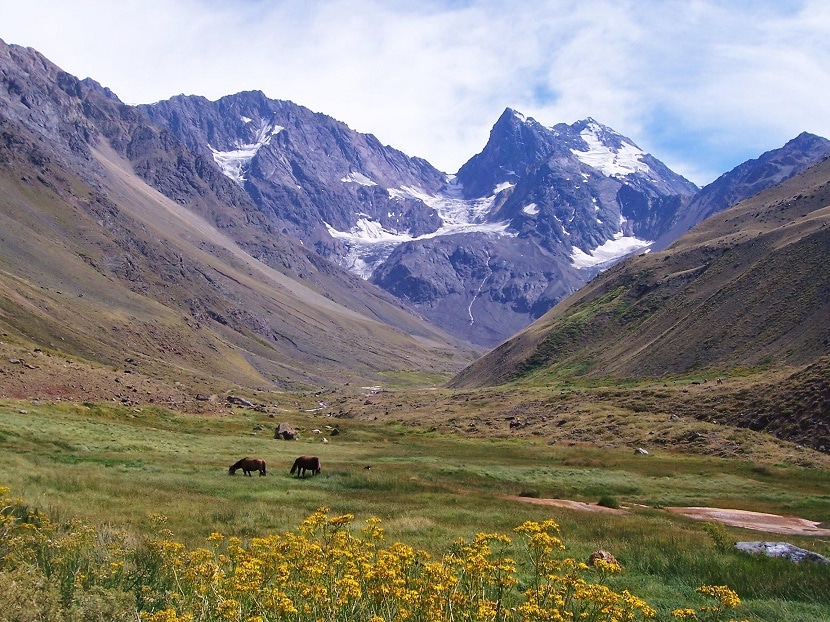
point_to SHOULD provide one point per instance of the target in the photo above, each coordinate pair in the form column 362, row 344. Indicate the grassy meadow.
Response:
column 117, row 466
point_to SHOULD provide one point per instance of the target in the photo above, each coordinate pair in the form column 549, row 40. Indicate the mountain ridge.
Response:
column 747, row 287
column 409, row 228
column 203, row 304
column 481, row 254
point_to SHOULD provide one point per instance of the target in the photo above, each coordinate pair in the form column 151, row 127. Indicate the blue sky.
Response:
column 703, row 85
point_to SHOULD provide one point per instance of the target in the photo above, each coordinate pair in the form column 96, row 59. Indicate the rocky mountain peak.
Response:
column 806, row 141
column 746, row 180
column 516, row 142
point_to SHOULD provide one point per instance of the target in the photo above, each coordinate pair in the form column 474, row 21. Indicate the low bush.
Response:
column 607, row 501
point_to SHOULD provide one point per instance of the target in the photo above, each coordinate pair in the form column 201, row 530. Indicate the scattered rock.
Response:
column 240, row 401
column 641, row 451
column 783, row 550
column 285, row 432
column 604, row 556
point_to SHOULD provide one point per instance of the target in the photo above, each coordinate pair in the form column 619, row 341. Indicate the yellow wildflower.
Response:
column 727, row 597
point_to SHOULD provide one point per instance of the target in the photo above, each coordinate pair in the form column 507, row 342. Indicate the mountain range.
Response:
column 479, row 254
column 120, row 243
column 256, row 241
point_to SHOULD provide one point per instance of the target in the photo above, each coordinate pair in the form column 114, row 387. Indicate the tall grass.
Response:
column 113, row 467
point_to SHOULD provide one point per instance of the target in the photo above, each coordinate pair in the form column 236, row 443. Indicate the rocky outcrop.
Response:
column 603, row 556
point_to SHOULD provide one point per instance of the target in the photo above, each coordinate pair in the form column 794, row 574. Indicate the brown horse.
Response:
column 306, row 463
column 248, row 465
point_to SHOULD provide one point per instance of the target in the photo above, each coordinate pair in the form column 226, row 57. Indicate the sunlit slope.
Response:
column 747, row 287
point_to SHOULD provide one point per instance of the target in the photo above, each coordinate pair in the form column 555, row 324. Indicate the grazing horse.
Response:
column 306, row 463
column 248, row 465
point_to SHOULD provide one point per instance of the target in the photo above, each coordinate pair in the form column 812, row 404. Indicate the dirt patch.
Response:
column 759, row 521
column 573, row 505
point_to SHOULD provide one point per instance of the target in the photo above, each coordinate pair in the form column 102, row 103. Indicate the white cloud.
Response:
column 702, row 85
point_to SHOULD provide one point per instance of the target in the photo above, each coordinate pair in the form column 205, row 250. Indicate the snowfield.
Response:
column 235, row 162
column 609, row 161
column 369, row 244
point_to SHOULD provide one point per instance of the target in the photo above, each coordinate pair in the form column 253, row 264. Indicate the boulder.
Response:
column 285, row 432
column 240, row 401
column 783, row 550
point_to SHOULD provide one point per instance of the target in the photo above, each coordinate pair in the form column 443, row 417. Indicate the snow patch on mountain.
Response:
column 234, row 163
column 610, row 161
column 358, row 178
column 609, row 252
column 369, row 244
column 531, row 210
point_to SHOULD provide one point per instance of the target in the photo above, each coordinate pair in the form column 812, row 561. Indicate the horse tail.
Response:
column 262, row 464
column 295, row 465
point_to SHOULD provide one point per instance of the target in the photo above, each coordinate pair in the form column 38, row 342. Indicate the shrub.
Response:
column 720, row 536
column 608, row 501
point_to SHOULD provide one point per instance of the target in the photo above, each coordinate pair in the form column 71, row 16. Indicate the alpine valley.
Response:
column 564, row 337
column 254, row 242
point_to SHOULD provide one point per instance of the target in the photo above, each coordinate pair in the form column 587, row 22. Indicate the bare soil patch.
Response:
column 759, row 521
column 573, row 505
